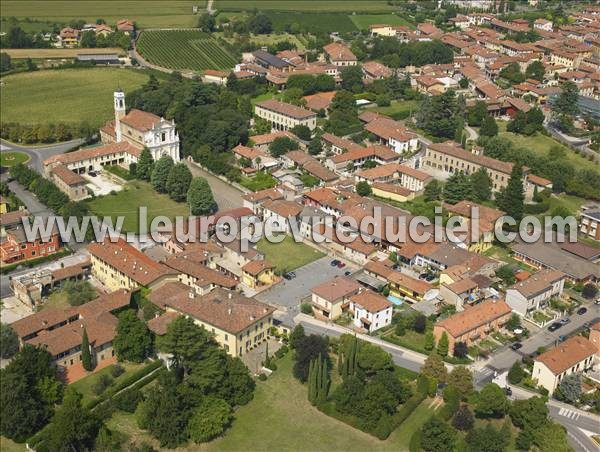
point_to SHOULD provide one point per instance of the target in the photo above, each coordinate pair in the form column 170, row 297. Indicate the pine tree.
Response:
column 319, row 378
column 311, row 380
column 86, row 356
column 443, row 345
column 323, row 391
column 145, row 163
column 160, row 173
column 267, row 359
column 512, row 199
column 340, row 363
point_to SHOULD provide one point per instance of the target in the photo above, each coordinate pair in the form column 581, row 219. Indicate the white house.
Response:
column 371, row 311
column 528, row 296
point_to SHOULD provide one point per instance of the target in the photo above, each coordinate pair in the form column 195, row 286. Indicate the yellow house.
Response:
column 469, row 214
column 392, row 191
column 400, row 284
column 258, row 273
column 236, row 322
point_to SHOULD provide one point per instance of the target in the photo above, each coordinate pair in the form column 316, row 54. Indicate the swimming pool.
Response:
column 397, row 301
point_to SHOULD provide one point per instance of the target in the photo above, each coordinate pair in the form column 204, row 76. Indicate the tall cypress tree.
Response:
column 86, row 356
column 512, row 199
column 340, row 363
column 310, row 381
column 319, row 378
column 324, row 388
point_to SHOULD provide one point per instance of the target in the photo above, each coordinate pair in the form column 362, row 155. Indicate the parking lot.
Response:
column 288, row 294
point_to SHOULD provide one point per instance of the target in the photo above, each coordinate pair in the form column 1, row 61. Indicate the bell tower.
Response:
column 119, row 98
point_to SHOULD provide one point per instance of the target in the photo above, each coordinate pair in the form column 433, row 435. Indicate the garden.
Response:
column 8, row 159
column 288, row 254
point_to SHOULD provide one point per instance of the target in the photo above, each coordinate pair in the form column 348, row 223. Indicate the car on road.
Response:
column 429, row 278
column 564, row 321
column 334, row 263
column 554, row 326
column 292, row 275
column 423, row 276
column 341, row 264
column 581, row 311
column 516, row 346
column 347, row 273
column 562, row 338
column 508, row 391
column 286, row 276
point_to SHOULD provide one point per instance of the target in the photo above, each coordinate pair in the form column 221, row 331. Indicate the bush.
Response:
column 282, row 351
column 101, row 384
column 128, row 400
column 117, row 370
column 262, row 377
column 306, row 308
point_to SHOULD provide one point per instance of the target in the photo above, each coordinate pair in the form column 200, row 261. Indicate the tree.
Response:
column 589, row 291
column 535, row 70
column 260, row 24
column 512, row 73
column 297, row 335
column 489, row 128
column 460, row 349
column 86, row 356
column 433, row 190
column 133, row 341
column 352, row 78
column 551, row 437
column 73, row 426
column 200, row 197
column 434, row 368
column 5, row 62
column 477, row 114
column 178, row 182
column 437, row 436
column 569, row 389
column 302, row 132
column 88, row 40
column 529, row 414
column 160, row 173
column 206, row 22
column 363, row 188
column 463, row 419
column 514, row 322
column 185, row 341
column 79, row 292
column 566, row 102
column 481, row 185
column 145, row 164
column 512, row 198
column 516, row 373
column 442, row 347
column 462, row 379
column 282, row 145
column 487, row 439
column 458, row 188
column 315, row 146
column 9, row 341
column 210, row 419
column 491, row 401
column 308, row 348
column 419, row 323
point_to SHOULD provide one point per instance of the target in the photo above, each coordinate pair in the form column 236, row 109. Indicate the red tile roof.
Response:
column 336, row 288
column 67, row 176
column 286, row 109
column 140, row 120
column 566, row 355
column 468, row 320
column 371, row 301
column 94, row 152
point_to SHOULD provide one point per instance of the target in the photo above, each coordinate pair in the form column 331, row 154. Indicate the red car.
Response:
column 341, row 264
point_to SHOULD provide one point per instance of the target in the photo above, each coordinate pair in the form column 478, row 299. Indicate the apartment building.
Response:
column 589, row 224
column 370, row 311
column 283, row 116
column 332, row 298
column 536, row 291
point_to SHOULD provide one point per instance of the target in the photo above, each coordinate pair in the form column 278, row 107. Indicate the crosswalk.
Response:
column 573, row 415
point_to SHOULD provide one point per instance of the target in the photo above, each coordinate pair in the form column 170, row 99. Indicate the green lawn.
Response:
column 56, row 300
column 146, row 14
column 8, row 159
column 400, row 438
column 541, row 144
column 260, row 181
column 84, row 386
column 82, row 94
column 349, row 6
column 127, row 202
column 398, row 109
column 7, row 445
column 362, row 21
column 288, row 255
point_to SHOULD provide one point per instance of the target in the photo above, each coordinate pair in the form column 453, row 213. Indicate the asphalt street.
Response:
column 40, row 153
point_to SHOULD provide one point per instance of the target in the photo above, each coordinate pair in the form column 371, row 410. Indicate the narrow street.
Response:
column 226, row 195
column 38, row 154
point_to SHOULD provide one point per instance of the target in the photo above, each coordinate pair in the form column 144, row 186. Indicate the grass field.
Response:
column 8, row 159
column 319, row 22
column 541, row 144
column 288, row 255
column 58, row 53
column 84, row 386
column 183, row 49
column 260, row 181
column 398, row 109
column 70, row 95
column 146, row 14
column 134, row 195
column 362, row 21
column 349, row 6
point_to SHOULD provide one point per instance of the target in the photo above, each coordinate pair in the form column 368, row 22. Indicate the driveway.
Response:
column 289, row 294
column 40, row 153
column 226, row 195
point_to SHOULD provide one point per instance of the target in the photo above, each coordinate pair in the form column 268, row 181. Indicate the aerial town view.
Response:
column 300, row 225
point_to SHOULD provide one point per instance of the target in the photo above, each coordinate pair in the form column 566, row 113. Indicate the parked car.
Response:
column 429, row 278
column 508, row 391
column 292, row 275
column 516, row 346
column 334, row 263
column 554, row 326
column 564, row 321
column 341, row 264
column 562, row 338
column 286, row 276
column 423, row 276
column 581, row 311
column 347, row 273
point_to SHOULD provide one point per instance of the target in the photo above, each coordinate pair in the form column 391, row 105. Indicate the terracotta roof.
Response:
column 69, row 271
column 262, row 195
column 215, row 73
column 13, row 218
column 125, row 25
column 283, row 208
column 67, row 176
column 336, row 288
column 203, row 274
column 268, row 138
column 224, row 309
column 382, row 152
column 94, row 152
column 254, row 268
column 481, row 314
column 140, row 120
column 538, row 283
column 286, row 109
column 392, row 188
column 249, row 153
column 376, row 69
column 396, row 277
column 566, row 355
column 368, row 116
column 539, row 181
column 371, row 301
column 159, row 325
column 451, row 148
column 319, row 101
column 388, row 128
column 129, row 260
column 339, row 52
column 462, row 286
column 41, row 320
column 380, row 171
column 342, row 143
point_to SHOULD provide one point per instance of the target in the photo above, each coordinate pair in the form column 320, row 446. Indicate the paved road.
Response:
column 226, row 195
column 39, row 154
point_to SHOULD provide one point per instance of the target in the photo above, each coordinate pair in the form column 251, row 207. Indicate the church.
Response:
column 141, row 129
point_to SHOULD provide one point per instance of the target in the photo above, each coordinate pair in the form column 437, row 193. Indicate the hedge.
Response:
column 406, row 410
column 448, row 359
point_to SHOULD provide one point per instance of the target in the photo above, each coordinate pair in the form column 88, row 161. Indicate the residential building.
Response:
column 595, row 337
column 119, row 265
column 574, row 355
column 271, row 62
column 339, row 54
column 319, row 101
column 332, row 298
column 15, row 246
column 258, row 274
column 372, row 70
column 69, row 37
column 141, row 129
column 236, row 322
column 69, row 182
column 400, row 284
column 370, row 311
column 216, row 77
column 477, row 224
column 198, row 276
column 393, row 134
column 535, row 292
column 589, row 224
column 126, row 26
column 284, row 116
column 473, row 324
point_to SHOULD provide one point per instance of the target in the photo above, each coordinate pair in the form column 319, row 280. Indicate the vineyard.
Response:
column 183, row 49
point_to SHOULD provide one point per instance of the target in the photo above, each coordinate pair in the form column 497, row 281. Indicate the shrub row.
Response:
column 33, row 262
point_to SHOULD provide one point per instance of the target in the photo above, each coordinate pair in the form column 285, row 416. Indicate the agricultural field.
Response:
column 83, row 95
column 348, row 6
column 311, row 22
column 17, row 54
column 183, row 49
column 146, row 14
column 363, row 21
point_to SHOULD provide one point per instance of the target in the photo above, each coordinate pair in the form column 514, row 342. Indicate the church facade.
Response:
column 141, row 129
